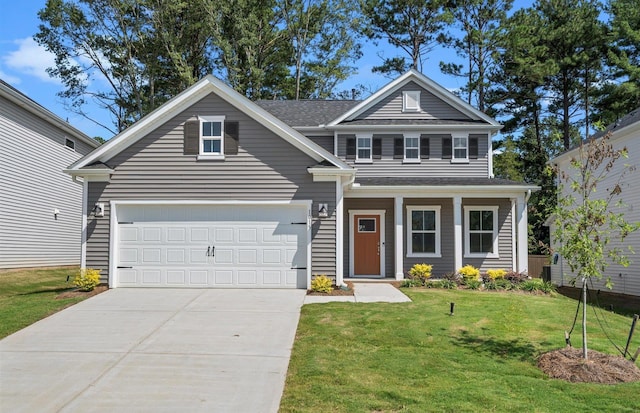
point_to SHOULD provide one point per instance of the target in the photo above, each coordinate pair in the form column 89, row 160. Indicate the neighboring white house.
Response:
column 625, row 133
column 40, row 207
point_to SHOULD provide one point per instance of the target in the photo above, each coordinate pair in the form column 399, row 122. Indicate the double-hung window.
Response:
column 460, row 148
column 481, row 231
column 363, row 148
column 412, row 148
column 212, row 136
column 423, row 231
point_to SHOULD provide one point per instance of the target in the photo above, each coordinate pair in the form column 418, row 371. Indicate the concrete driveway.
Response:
column 154, row 350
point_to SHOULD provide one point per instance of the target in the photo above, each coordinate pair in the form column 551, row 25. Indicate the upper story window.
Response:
column 460, row 150
column 423, row 234
column 481, row 231
column 69, row 143
column 411, row 101
column 412, row 148
column 363, row 148
column 212, row 136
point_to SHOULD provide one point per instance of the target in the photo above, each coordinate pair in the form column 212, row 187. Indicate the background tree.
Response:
column 588, row 218
column 413, row 26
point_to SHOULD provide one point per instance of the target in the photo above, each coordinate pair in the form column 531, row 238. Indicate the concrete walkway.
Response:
column 364, row 292
column 144, row 350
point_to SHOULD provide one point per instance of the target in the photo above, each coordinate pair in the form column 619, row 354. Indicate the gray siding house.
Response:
column 213, row 190
column 624, row 134
column 40, row 207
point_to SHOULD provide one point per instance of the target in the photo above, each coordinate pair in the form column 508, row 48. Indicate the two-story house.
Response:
column 40, row 207
column 213, row 190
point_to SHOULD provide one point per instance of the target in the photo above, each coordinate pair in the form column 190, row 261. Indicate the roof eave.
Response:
column 436, row 128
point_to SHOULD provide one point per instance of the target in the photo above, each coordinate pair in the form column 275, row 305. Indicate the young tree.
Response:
column 588, row 218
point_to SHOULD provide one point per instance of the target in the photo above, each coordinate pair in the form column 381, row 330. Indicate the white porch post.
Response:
column 339, row 232
column 523, row 251
column 83, row 233
column 457, row 232
column 399, row 245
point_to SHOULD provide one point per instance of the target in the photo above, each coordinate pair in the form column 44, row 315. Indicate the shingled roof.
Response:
column 298, row 113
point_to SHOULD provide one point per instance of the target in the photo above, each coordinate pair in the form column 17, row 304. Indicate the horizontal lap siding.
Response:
column 32, row 157
column 266, row 168
column 432, row 107
column 326, row 142
column 434, row 167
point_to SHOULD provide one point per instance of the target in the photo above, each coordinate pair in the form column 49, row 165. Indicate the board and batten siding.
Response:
column 434, row 167
column 265, row 168
column 626, row 280
column 32, row 185
column 431, row 107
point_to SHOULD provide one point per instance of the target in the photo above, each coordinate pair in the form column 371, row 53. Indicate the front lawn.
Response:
column 28, row 295
column 415, row 357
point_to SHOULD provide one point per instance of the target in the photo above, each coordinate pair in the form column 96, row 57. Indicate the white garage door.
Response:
column 198, row 246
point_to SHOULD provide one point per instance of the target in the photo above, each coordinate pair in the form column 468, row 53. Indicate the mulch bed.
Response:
column 336, row 291
column 77, row 293
column 568, row 364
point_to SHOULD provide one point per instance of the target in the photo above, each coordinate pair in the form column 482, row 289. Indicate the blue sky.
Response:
column 23, row 63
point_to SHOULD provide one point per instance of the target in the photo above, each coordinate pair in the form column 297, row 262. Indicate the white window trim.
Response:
column 467, row 232
column 410, row 209
column 410, row 136
column 369, row 137
column 415, row 96
column 69, row 147
column 453, row 148
column 206, row 155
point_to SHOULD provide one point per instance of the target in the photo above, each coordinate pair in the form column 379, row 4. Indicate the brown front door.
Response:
column 366, row 248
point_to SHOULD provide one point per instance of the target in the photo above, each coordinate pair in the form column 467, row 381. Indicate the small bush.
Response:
column 321, row 284
column 453, row 277
column 87, row 279
column 516, row 277
column 496, row 274
column 448, row 284
column 469, row 273
column 537, row 285
column 421, row 271
column 410, row 283
column 473, row 284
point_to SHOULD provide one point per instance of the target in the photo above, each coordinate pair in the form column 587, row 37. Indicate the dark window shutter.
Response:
column 424, row 148
column 231, row 138
column 351, row 148
column 446, row 148
column 473, row 148
column 398, row 148
column 191, row 137
column 377, row 148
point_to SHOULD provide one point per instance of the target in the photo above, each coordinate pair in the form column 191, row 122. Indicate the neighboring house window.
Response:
column 412, row 148
column 481, row 231
column 411, row 101
column 69, row 143
column 211, row 135
column 423, row 232
column 363, row 148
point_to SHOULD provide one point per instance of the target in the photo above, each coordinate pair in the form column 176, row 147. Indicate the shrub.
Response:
column 516, row 277
column 469, row 273
column 321, row 284
column 473, row 284
column 537, row 285
column 410, row 283
column 421, row 271
column 448, row 284
column 453, row 277
column 496, row 274
column 87, row 279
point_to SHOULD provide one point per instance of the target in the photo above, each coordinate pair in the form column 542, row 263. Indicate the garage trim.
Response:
column 114, row 235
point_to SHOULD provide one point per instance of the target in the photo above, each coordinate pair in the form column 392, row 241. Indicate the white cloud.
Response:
column 12, row 80
column 31, row 59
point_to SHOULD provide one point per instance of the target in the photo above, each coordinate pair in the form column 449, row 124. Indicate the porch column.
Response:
column 339, row 232
column 399, row 244
column 523, row 248
column 457, row 232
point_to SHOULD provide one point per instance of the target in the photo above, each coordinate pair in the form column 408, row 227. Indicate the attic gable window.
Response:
column 211, row 137
column 411, row 101
column 69, row 143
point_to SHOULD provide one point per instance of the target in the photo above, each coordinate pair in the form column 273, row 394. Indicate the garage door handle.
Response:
column 213, row 251
column 298, row 268
column 208, row 251
column 120, row 266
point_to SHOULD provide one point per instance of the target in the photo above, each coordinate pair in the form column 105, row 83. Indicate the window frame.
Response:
column 467, row 232
column 368, row 138
column 416, row 147
column 201, row 138
column 455, row 137
column 68, row 141
column 410, row 231
column 413, row 95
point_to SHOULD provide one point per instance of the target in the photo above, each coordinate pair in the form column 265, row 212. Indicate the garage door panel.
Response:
column 246, row 256
column 223, row 277
column 176, row 256
column 177, row 235
column 199, row 277
column 176, row 277
column 247, row 277
column 199, row 235
column 151, row 277
column 247, row 235
column 223, row 235
column 271, row 256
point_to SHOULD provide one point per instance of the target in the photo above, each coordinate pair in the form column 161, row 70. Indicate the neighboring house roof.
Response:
column 300, row 113
column 187, row 98
column 627, row 122
column 14, row 95
column 427, row 84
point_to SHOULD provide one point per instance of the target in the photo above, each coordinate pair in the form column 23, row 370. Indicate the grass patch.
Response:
column 416, row 358
column 28, row 295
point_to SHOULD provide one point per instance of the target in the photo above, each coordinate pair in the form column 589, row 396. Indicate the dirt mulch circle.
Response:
column 336, row 291
column 77, row 293
column 568, row 364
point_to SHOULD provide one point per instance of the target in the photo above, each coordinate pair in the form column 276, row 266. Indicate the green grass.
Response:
column 416, row 358
column 28, row 295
